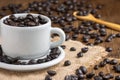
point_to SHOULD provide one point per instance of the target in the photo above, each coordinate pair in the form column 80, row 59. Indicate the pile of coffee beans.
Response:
column 28, row 21
column 54, row 53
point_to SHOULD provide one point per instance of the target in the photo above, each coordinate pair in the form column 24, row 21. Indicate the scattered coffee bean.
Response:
column 113, row 62
column 106, row 60
column 84, row 50
column 118, row 35
column 79, row 71
column 102, row 64
column 51, row 72
column 83, row 69
column 90, row 75
column 109, row 49
column 67, row 63
column 72, row 49
column 32, row 61
column 116, row 68
column 101, row 74
column 80, row 54
column 117, row 77
column 48, row 77
column 98, row 78
column 63, row 46
column 96, row 67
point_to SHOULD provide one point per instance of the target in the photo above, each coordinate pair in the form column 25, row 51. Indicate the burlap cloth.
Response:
column 94, row 54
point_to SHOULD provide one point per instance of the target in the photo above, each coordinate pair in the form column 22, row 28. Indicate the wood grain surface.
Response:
column 110, row 12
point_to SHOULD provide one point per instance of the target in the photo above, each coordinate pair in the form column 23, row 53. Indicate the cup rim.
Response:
column 20, row 14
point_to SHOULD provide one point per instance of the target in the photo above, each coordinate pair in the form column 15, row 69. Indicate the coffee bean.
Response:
column 90, row 44
column 67, row 77
column 116, row 68
column 90, row 75
column 47, row 77
column 101, row 74
column 79, row 71
column 71, row 77
column 67, row 63
column 51, row 72
column 81, row 76
column 72, row 49
column 113, row 62
column 84, row 50
column 80, row 54
column 98, row 78
column 96, row 67
column 32, row 61
column 41, row 61
column 99, row 6
column 109, row 49
column 106, row 60
column 102, row 64
column 63, row 46
column 118, row 35
column 83, row 69
column 117, row 77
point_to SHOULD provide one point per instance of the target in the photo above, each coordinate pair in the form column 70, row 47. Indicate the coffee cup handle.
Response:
column 61, row 34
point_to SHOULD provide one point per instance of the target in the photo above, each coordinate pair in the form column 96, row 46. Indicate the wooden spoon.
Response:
column 90, row 17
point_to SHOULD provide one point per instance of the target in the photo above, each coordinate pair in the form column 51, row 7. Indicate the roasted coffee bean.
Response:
column 81, row 76
column 107, row 76
column 1, row 52
column 98, row 16
column 63, row 46
column 79, row 71
column 116, row 68
column 51, row 72
column 102, row 64
column 90, row 44
column 84, row 50
column 110, row 75
column 106, row 60
column 71, row 77
column 90, row 75
column 72, row 49
column 41, row 61
column 101, row 74
column 67, row 77
column 80, row 54
column 47, row 77
column 83, row 69
column 109, row 49
column 117, row 77
column 118, row 35
column 99, row 6
column 67, row 63
column 32, row 61
column 98, row 78
column 113, row 62
column 96, row 67
column 96, row 26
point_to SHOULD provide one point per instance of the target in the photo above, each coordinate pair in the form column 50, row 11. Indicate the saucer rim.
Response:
column 14, row 67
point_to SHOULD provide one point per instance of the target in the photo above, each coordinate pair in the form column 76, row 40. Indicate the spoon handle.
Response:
column 108, row 24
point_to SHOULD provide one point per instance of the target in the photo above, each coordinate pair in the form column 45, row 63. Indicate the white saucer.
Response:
column 34, row 66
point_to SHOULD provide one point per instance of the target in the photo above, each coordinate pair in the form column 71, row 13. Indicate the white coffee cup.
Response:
column 29, row 42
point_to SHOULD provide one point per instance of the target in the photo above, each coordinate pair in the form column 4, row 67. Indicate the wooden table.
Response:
column 110, row 12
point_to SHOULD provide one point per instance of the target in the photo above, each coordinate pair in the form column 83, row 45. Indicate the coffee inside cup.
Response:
column 27, row 21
